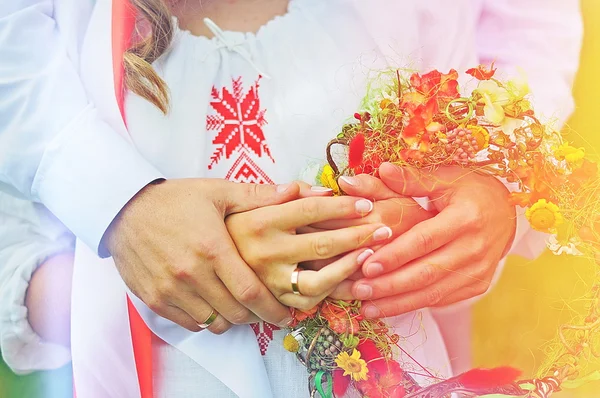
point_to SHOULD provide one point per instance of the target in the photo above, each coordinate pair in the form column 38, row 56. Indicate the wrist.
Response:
column 138, row 204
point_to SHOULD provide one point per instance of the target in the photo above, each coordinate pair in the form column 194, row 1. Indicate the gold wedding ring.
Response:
column 211, row 318
column 294, row 280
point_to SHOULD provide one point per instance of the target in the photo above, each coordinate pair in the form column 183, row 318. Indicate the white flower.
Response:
column 570, row 248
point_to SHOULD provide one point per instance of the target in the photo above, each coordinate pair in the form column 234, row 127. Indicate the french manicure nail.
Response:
column 286, row 322
column 372, row 312
column 364, row 206
column 364, row 292
column 374, row 269
column 382, row 233
column 321, row 189
column 349, row 180
column 283, row 188
column 364, row 256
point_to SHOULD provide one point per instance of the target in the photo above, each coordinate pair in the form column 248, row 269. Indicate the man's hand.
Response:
column 173, row 251
column 448, row 258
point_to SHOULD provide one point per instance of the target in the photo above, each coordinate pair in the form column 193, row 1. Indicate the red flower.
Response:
column 435, row 84
column 357, row 151
column 385, row 380
column 482, row 72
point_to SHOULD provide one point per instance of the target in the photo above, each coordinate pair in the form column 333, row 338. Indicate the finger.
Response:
column 241, row 197
column 308, row 191
column 468, row 292
column 422, row 239
column 366, row 186
column 316, row 265
column 400, row 214
column 247, row 288
column 216, row 323
column 178, row 316
column 415, row 275
column 319, row 284
column 316, row 283
column 414, row 182
column 309, row 211
column 428, row 297
column 343, row 291
column 328, row 244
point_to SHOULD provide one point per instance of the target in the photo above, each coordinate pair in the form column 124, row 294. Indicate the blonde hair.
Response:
column 140, row 76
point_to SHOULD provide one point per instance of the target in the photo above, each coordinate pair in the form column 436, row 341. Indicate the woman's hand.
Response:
column 173, row 251
column 448, row 258
column 48, row 299
column 266, row 239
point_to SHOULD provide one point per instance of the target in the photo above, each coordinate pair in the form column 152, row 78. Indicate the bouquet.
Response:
column 423, row 121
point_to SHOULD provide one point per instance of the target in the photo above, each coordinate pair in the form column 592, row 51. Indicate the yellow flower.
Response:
column 573, row 156
column 544, row 216
column 481, row 135
column 352, row 365
column 328, row 179
column 290, row 343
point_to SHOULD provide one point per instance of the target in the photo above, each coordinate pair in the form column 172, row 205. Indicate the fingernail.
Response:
column 364, row 292
column 364, row 206
column 349, row 180
column 283, row 188
column 374, row 269
column 382, row 233
column 372, row 312
column 364, row 256
column 321, row 189
column 286, row 322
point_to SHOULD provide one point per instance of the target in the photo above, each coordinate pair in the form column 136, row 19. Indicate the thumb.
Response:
column 240, row 197
column 410, row 181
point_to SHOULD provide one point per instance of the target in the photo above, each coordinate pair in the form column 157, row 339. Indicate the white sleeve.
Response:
column 54, row 147
column 29, row 235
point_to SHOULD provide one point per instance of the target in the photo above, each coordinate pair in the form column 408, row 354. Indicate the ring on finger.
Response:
column 211, row 318
column 294, row 281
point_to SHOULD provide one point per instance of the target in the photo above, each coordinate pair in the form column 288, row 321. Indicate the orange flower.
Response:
column 421, row 125
column 299, row 315
column 339, row 320
column 482, row 72
column 436, row 84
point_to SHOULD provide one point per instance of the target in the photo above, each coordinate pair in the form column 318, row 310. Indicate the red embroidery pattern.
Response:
column 264, row 335
column 238, row 122
column 245, row 170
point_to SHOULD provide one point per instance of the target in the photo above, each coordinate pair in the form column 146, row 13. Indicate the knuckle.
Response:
column 248, row 294
column 427, row 275
column 310, row 208
column 323, row 246
column 156, row 303
column 474, row 218
column 424, row 241
column 181, row 271
column 482, row 287
column 434, row 296
column 240, row 317
column 219, row 327
column 206, row 249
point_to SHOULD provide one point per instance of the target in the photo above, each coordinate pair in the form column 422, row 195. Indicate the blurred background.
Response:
column 532, row 299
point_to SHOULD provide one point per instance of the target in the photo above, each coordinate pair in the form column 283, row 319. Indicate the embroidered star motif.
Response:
column 238, row 122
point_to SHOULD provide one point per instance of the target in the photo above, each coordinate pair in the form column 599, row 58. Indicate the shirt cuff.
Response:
column 88, row 174
column 22, row 349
